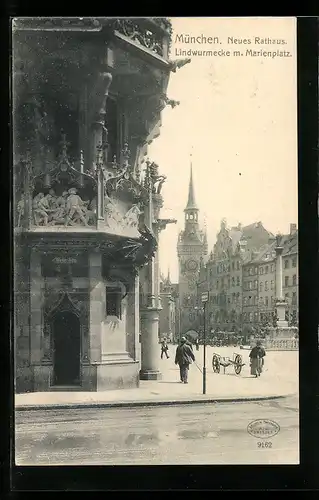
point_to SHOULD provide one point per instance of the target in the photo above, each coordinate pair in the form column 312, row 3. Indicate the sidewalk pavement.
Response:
column 279, row 379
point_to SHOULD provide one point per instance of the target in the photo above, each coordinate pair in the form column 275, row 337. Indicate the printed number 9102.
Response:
column 264, row 444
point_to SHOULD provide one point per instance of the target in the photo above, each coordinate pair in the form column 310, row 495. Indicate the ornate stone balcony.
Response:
column 152, row 33
column 110, row 203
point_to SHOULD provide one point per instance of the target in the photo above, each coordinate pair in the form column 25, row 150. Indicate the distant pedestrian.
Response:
column 257, row 355
column 197, row 344
column 184, row 357
column 188, row 342
column 164, row 349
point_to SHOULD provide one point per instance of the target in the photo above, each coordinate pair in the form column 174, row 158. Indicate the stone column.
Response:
column 97, row 305
column 99, row 143
column 150, row 315
column 36, row 307
column 133, row 324
column 280, row 302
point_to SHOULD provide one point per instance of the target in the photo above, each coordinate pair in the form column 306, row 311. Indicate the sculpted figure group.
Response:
column 67, row 209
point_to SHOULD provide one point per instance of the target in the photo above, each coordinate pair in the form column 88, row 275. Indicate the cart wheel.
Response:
column 238, row 364
column 216, row 364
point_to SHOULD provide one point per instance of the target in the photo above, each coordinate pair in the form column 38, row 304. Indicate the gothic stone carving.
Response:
column 65, row 209
column 144, row 36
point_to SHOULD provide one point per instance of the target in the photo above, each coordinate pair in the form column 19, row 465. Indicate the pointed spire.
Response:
column 191, row 202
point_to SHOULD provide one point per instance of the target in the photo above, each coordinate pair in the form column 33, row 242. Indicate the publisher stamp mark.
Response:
column 263, row 429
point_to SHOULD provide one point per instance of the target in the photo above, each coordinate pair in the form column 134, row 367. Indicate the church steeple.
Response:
column 191, row 202
column 191, row 210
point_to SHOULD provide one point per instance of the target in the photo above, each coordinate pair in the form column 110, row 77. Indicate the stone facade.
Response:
column 88, row 96
column 168, row 316
column 240, row 275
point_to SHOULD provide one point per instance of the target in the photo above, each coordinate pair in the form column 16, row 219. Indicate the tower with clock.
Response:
column 191, row 250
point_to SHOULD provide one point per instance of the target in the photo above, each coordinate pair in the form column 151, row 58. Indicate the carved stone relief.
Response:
column 66, row 209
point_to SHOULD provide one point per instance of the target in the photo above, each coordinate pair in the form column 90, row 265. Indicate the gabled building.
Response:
column 259, row 283
column 228, row 284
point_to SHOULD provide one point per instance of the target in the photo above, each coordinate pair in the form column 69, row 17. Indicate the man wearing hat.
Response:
column 257, row 355
column 184, row 357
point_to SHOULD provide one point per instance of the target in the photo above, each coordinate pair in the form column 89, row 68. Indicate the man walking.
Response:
column 184, row 357
column 164, row 348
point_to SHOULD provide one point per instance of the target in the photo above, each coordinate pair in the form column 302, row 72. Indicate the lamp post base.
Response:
column 150, row 375
column 150, row 348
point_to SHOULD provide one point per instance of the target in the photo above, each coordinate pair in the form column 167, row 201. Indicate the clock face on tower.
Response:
column 191, row 265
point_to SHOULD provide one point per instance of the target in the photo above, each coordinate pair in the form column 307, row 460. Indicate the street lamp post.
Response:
column 204, row 300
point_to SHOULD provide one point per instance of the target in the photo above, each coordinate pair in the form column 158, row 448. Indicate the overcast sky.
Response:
column 240, row 116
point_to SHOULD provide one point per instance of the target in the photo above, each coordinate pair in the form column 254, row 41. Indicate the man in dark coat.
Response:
column 184, row 357
column 257, row 355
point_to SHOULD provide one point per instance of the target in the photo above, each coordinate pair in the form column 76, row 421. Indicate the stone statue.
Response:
column 59, row 214
column 91, row 211
column 20, row 209
column 113, row 216
column 75, row 208
column 131, row 218
column 40, row 209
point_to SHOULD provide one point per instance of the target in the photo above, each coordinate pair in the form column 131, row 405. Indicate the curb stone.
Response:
column 135, row 404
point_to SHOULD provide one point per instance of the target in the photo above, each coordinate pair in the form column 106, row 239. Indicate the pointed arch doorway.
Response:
column 66, row 348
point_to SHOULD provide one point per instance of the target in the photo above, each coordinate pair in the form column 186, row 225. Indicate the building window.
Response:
column 238, row 281
column 191, row 217
column 261, row 286
column 250, row 317
column 256, row 285
column 266, row 286
column 294, row 262
column 217, row 284
column 245, row 301
column 261, row 270
column 113, row 302
column 294, row 280
column 286, row 281
column 228, row 282
column 249, row 285
column 294, row 298
column 237, row 265
column 272, row 285
column 286, row 264
column 272, row 267
column 233, row 298
column 287, row 297
column 233, row 281
column 267, row 269
column 228, row 300
column 266, row 301
column 256, row 270
column 233, row 265
column 255, row 300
